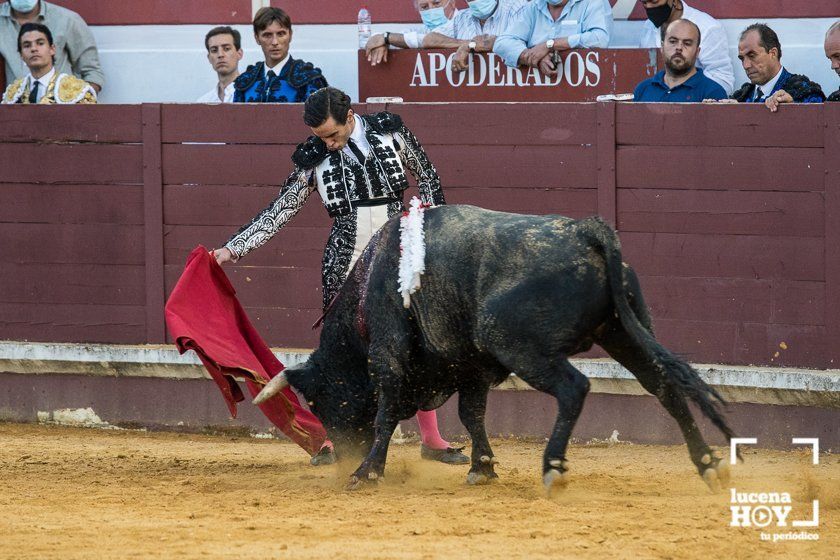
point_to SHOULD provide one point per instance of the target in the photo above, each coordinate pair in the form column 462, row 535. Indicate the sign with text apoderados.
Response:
column 427, row 75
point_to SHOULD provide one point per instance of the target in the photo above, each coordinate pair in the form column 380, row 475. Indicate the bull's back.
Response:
column 485, row 267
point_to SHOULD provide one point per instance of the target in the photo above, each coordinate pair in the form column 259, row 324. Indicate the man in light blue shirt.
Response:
column 548, row 26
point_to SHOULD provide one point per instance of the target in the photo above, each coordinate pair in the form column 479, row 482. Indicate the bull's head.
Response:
column 344, row 402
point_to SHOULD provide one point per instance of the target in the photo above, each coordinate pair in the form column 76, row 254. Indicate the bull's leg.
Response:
column 710, row 464
column 373, row 467
column 569, row 386
column 472, row 405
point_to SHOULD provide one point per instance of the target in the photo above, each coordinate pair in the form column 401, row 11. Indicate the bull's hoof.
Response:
column 354, row 483
column 716, row 475
column 483, row 476
column 554, row 481
column 475, row 479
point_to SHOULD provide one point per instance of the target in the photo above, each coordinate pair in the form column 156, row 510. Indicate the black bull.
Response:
column 501, row 293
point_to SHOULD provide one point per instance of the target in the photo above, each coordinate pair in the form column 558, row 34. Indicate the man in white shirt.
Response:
column 714, row 57
column 224, row 51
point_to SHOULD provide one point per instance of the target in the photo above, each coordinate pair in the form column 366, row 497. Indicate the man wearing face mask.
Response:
column 475, row 29
column 832, row 53
column 359, row 166
column 714, row 57
column 75, row 48
column 434, row 13
column 546, row 27
column 770, row 83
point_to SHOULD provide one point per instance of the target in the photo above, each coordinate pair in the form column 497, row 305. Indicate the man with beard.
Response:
column 832, row 52
column 681, row 81
column 770, row 83
column 713, row 59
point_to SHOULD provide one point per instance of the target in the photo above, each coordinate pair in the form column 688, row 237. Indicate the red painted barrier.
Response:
column 730, row 214
column 427, row 76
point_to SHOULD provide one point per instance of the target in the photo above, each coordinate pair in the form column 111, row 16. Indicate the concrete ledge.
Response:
column 748, row 384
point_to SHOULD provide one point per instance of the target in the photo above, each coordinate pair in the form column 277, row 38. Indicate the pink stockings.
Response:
column 429, row 434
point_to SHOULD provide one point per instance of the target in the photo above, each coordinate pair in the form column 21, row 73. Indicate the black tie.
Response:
column 270, row 76
column 356, row 151
column 33, row 95
column 759, row 95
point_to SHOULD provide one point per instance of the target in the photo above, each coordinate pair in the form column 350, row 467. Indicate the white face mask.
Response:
column 24, row 6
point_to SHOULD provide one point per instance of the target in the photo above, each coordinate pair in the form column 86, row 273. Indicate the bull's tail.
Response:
column 675, row 372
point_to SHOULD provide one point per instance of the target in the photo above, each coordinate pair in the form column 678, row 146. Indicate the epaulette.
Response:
column 310, row 153
column 247, row 78
column 71, row 89
column 303, row 73
column 834, row 96
column 14, row 91
column 384, row 122
column 742, row 93
column 800, row 88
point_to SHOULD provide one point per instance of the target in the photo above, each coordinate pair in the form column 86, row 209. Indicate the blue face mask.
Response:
column 482, row 9
column 433, row 17
column 24, row 6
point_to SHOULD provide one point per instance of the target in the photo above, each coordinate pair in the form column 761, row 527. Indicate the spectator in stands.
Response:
column 770, row 83
column 475, row 29
column 44, row 84
column 546, row 27
column 832, row 51
column 433, row 13
column 681, row 81
column 224, row 51
column 75, row 51
column 280, row 78
column 714, row 58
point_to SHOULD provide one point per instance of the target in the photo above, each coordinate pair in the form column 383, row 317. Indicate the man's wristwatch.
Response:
column 387, row 36
column 471, row 45
column 550, row 44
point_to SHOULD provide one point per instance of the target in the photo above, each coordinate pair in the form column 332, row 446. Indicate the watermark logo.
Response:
column 773, row 510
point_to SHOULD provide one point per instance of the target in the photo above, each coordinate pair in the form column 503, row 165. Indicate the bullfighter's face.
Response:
column 274, row 41
column 335, row 134
column 759, row 63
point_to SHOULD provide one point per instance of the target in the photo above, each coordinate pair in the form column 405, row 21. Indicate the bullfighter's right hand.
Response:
column 222, row 255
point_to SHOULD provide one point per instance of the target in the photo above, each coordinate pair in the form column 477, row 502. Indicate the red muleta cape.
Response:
column 203, row 314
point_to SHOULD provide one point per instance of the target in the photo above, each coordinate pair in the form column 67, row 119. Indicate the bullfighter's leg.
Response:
column 569, row 386
column 472, row 405
column 710, row 464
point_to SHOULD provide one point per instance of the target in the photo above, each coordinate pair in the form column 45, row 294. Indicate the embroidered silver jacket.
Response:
column 343, row 184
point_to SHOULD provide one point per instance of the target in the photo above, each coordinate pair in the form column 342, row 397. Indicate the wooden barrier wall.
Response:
column 730, row 214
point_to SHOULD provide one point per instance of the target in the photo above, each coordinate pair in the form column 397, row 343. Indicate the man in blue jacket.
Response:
column 681, row 81
column 770, row 83
column 281, row 78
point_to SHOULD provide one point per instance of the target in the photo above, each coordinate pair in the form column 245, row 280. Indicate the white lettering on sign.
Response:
column 433, row 69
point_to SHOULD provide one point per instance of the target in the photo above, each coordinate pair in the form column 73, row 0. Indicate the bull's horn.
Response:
column 277, row 384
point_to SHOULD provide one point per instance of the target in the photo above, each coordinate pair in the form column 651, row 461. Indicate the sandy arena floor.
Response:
column 84, row 493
